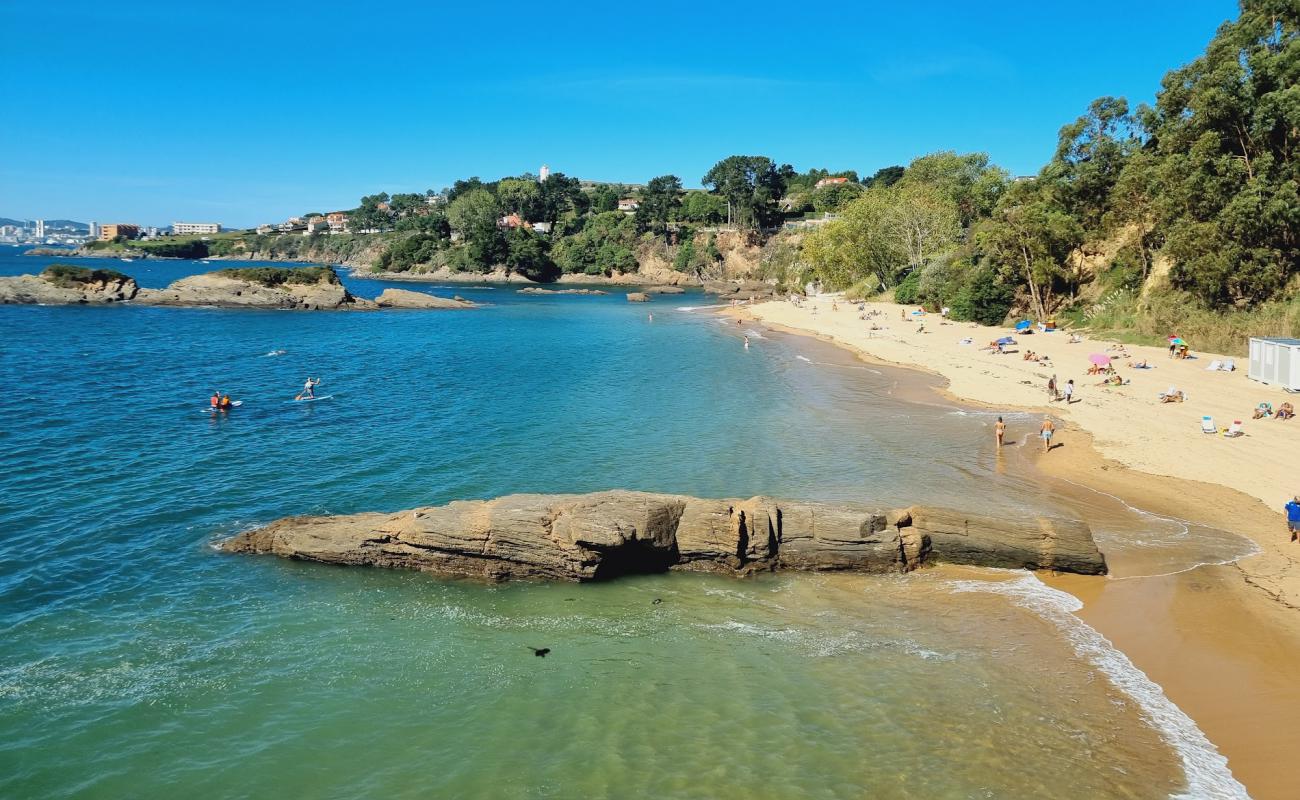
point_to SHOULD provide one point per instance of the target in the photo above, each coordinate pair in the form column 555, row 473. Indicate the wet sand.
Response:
column 1221, row 640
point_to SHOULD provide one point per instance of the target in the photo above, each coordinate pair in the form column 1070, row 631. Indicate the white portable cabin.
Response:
column 1275, row 361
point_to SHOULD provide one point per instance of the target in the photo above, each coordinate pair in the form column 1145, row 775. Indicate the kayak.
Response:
column 310, row 399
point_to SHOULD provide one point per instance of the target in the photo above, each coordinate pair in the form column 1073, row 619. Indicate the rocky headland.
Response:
column 306, row 288
column 607, row 534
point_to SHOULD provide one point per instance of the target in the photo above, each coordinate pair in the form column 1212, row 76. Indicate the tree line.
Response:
column 1206, row 180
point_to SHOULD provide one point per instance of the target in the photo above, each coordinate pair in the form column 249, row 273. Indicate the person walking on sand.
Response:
column 1000, row 431
column 1069, row 391
column 1051, row 388
column 1046, row 432
column 1293, row 517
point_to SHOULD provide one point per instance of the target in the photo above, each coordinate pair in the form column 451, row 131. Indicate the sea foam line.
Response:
column 1206, row 770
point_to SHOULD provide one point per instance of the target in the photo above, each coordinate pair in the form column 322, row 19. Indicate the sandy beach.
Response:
column 1221, row 640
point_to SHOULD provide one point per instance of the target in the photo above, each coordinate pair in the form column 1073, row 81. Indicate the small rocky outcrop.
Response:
column 405, row 298
column 535, row 290
column 65, row 284
column 741, row 290
column 606, row 534
column 638, row 297
column 664, row 290
column 308, row 289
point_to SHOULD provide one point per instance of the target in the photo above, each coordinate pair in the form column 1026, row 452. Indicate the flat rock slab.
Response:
column 606, row 534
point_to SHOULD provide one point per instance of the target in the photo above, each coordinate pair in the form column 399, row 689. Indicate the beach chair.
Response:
column 1207, row 425
column 1229, row 365
column 1234, row 431
column 1214, row 366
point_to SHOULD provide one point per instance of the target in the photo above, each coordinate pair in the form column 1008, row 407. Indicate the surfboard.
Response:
column 310, row 399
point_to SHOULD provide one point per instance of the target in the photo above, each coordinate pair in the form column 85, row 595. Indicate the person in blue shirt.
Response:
column 1293, row 516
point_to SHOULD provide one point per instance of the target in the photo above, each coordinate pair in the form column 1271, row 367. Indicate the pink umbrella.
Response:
column 1099, row 359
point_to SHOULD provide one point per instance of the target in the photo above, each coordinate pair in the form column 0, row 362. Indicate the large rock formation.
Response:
column 315, row 289
column 638, row 297
column 405, row 298
column 606, row 534
column 63, row 284
column 306, row 288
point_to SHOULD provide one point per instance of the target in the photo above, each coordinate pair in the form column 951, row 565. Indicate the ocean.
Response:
column 137, row 661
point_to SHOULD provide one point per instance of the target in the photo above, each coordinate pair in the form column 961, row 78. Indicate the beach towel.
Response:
column 1207, row 425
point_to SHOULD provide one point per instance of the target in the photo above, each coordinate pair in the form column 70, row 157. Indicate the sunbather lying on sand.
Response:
column 1263, row 410
column 1285, row 411
column 1172, row 396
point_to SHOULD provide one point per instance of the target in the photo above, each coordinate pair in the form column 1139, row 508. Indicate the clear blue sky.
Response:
column 247, row 112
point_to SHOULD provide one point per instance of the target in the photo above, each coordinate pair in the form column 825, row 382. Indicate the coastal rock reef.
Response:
column 305, row 288
column 606, row 534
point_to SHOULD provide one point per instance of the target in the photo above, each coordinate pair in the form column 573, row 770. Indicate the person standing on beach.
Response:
column 1069, row 391
column 1046, row 432
column 1051, row 388
column 1293, row 516
column 1000, row 431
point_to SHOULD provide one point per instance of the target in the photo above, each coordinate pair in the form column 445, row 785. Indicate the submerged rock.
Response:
column 607, row 534
column 535, row 290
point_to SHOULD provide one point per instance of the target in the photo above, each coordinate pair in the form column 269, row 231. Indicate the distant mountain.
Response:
column 52, row 224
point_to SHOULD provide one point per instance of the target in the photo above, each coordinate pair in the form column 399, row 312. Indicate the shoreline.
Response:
column 1218, row 639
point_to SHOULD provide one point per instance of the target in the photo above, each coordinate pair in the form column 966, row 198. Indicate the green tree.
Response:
column 660, row 201
column 558, row 195
column 1031, row 238
column 703, row 207
column 885, row 177
column 474, row 215
column 519, row 196
column 752, row 185
column 969, row 180
column 1224, row 132
column 834, row 196
column 604, row 198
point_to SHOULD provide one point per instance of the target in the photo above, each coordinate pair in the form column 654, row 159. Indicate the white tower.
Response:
column 543, row 173
column 93, row 230
column 40, row 229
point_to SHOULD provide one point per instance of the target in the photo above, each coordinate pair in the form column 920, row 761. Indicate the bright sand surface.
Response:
column 1223, row 641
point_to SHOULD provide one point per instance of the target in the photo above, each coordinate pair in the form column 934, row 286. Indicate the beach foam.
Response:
column 1208, row 775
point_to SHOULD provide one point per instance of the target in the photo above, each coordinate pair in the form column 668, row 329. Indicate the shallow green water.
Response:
column 139, row 662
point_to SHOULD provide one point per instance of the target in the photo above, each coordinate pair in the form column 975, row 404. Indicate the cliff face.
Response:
column 606, row 534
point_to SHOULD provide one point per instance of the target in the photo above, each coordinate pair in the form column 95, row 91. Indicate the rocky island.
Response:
column 303, row 288
column 606, row 534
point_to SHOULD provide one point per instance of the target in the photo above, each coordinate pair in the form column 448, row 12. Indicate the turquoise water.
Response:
column 137, row 661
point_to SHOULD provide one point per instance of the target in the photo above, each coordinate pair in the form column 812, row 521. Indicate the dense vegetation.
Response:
column 1186, row 209
column 69, row 276
column 278, row 276
column 1206, row 183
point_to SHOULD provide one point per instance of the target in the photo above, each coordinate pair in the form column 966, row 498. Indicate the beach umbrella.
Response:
column 1176, row 340
column 1099, row 359
column 1006, row 340
column 1024, row 324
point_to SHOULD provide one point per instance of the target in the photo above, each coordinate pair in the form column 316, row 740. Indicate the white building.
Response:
column 93, row 231
column 543, row 174
column 195, row 227
column 40, row 229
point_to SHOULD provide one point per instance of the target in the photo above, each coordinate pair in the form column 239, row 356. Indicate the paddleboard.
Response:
column 233, row 404
column 310, row 399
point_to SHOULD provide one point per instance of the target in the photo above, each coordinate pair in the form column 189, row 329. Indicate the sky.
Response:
column 243, row 113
